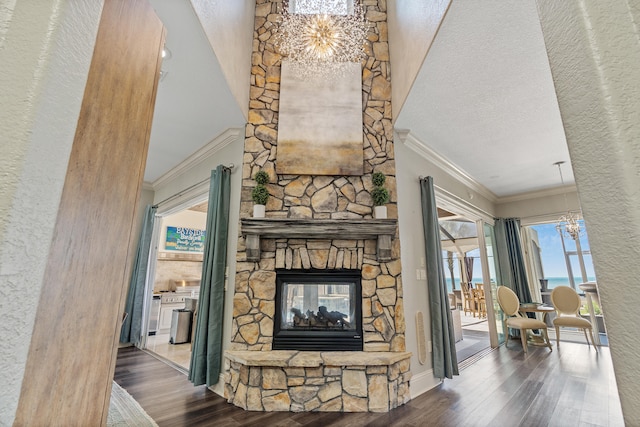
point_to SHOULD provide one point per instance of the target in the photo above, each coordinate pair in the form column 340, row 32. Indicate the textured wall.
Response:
column 228, row 25
column 594, row 52
column 413, row 24
column 45, row 51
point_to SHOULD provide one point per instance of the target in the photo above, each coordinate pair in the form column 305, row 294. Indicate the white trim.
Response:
column 544, row 219
column 422, row 383
column 218, row 388
column 218, row 143
column 570, row 188
column 449, row 201
column 182, row 201
column 415, row 145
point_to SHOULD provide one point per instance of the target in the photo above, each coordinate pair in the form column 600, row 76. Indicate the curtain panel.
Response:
column 510, row 257
column 131, row 331
column 445, row 362
column 206, row 355
column 468, row 265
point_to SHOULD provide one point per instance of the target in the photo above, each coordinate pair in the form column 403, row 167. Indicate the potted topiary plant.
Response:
column 260, row 194
column 380, row 195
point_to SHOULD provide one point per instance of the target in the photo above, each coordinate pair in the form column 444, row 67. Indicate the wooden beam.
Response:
column 73, row 347
column 382, row 230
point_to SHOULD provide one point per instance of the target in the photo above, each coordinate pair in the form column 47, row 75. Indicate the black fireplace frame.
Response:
column 334, row 340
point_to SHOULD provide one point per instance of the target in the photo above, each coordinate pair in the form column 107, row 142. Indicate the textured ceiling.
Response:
column 483, row 99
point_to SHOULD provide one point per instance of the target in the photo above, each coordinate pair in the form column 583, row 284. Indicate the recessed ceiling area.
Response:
column 484, row 98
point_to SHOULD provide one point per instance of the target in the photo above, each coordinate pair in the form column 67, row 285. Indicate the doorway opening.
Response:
column 175, row 269
column 463, row 268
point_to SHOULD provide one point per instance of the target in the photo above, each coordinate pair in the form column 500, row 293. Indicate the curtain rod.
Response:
column 230, row 167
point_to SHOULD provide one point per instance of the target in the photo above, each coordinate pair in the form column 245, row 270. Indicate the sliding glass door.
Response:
column 490, row 267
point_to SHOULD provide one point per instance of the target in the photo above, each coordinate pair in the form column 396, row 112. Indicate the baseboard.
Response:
column 219, row 387
column 422, row 383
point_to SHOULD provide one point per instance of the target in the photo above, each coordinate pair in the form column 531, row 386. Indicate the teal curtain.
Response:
column 445, row 362
column 510, row 258
column 131, row 331
column 206, row 355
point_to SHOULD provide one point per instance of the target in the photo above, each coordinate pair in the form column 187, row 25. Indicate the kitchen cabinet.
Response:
column 166, row 311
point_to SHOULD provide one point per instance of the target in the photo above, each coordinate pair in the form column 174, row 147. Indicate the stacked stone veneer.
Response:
column 318, row 197
column 315, row 381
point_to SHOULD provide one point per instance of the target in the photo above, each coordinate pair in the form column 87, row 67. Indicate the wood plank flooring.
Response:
column 571, row 386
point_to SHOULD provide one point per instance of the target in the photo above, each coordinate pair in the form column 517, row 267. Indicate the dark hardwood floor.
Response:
column 571, row 386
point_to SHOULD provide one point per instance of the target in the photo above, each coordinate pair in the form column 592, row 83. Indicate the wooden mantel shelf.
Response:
column 273, row 228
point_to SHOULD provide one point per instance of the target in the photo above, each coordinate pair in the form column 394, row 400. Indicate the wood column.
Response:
column 71, row 358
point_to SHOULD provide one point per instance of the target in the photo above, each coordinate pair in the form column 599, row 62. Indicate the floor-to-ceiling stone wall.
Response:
column 302, row 196
column 318, row 197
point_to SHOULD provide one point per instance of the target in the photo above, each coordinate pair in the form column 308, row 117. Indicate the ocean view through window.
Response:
column 556, row 267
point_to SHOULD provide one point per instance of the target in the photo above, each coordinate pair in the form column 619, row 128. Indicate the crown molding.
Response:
column 415, row 145
column 453, row 203
column 147, row 186
column 218, row 143
column 565, row 189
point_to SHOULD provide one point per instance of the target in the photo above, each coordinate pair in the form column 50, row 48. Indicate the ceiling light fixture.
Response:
column 324, row 38
column 569, row 224
column 166, row 53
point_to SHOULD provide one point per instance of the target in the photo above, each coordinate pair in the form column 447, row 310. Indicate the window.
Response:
column 552, row 255
column 332, row 7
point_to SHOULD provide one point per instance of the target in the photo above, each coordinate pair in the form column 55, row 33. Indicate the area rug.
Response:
column 124, row 411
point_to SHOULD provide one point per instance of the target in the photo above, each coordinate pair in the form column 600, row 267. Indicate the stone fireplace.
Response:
column 318, row 227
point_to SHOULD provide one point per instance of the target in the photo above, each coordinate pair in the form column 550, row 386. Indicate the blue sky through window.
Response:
column 334, row 7
column 553, row 261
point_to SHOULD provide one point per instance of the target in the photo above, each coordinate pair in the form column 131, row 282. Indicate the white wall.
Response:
column 229, row 28
column 45, row 52
column 410, row 167
column 594, row 53
column 543, row 206
column 413, row 24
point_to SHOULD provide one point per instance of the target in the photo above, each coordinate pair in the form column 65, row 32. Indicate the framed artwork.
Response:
column 320, row 124
column 185, row 239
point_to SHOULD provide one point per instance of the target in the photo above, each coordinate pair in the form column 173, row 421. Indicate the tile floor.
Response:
column 179, row 354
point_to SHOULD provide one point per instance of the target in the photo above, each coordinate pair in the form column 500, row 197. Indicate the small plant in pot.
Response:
column 380, row 195
column 260, row 194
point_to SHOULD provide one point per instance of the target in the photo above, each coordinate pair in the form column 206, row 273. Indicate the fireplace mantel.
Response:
column 382, row 230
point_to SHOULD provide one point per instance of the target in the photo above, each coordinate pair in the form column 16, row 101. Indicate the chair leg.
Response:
column 523, row 338
column 506, row 338
column 546, row 338
column 592, row 339
column 586, row 337
column 558, row 335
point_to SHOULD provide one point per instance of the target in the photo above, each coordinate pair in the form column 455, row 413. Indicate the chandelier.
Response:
column 321, row 36
column 568, row 224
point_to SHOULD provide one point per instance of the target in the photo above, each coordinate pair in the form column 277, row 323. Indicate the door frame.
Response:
column 174, row 204
column 449, row 201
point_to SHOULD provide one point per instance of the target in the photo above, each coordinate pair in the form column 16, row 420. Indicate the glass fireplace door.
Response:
column 320, row 310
